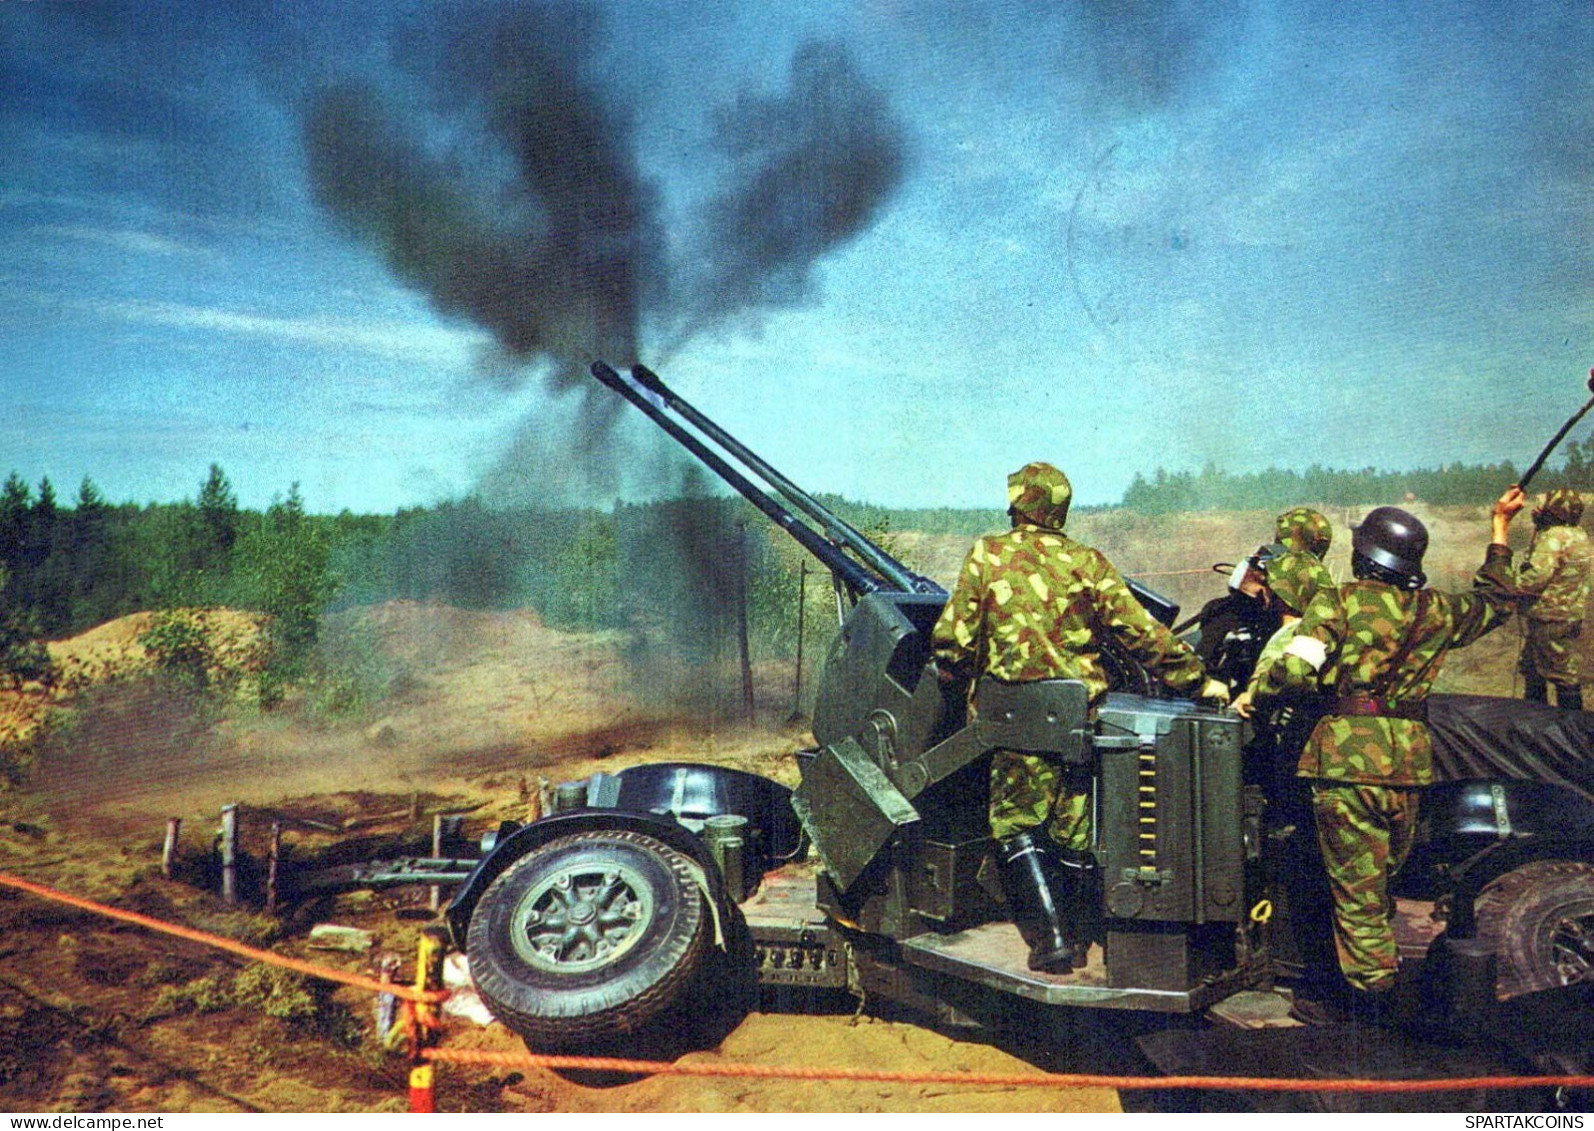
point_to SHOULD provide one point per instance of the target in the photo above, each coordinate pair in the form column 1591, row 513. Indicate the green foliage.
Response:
column 23, row 656
column 211, row 993
column 179, row 645
column 218, row 520
column 164, row 972
column 286, row 565
column 302, row 1004
column 279, row 993
column 348, row 673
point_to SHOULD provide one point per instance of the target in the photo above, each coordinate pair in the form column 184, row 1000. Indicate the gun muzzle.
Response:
column 649, row 380
column 605, row 372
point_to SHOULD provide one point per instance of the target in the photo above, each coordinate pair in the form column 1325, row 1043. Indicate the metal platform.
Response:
column 994, row 955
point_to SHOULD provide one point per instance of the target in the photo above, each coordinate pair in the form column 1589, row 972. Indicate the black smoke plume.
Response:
column 513, row 195
column 809, row 171
column 526, row 212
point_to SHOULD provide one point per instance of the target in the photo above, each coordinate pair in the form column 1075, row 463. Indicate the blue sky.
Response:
column 899, row 248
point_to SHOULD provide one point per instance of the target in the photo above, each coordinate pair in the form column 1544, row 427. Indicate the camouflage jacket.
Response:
column 1348, row 649
column 1555, row 573
column 1035, row 604
column 1304, row 585
column 1302, row 582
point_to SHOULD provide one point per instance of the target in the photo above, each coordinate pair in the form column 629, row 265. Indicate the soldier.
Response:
column 1235, row 626
column 1377, row 651
column 1554, row 580
column 1297, row 581
column 1306, row 536
column 1034, row 604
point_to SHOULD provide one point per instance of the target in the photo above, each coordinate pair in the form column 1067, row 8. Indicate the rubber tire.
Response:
column 553, row 1009
column 1519, row 915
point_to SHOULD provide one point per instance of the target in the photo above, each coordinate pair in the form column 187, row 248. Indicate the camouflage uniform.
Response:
column 1034, row 604
column 1298, row 576
column 1555, row 577
column 1366, row 769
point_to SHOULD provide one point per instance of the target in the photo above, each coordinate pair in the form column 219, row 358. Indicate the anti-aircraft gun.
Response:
column 650, row 891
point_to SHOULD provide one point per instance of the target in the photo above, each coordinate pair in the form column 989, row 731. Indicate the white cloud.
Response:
column 410, row 341
column 124, row 239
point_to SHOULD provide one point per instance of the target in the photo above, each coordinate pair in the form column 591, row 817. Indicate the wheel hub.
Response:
column 1572, row 945
column 581, row 918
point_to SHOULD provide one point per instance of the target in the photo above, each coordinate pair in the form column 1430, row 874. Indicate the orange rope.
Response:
column 1009, row 1080
column 765, row 1071
column 220, row 942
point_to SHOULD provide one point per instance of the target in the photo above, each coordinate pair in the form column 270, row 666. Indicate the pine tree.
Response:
column 218, row 518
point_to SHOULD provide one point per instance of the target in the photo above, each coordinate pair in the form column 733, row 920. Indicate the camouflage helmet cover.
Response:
column 1561, row 507
column 1039, row 494
column 1295, row 578
column 1305, row 530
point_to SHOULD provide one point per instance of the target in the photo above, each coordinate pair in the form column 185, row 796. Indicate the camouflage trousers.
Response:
column 1029, row 792
column 1550, row 651
column 1365, row 834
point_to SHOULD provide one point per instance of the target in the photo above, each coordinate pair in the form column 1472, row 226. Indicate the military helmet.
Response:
column 1296, row 578
column 1039, row 494
column 1561, row 507
column 1393, row 541
column 1302, row 528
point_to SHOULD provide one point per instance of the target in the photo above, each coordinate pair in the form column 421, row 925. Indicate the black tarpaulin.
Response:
column 1482, row 736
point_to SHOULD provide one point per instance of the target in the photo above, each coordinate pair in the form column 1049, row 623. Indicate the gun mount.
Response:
column 647, row 897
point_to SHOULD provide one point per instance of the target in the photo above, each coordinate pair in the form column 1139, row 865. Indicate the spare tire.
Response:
column 587, row 938
column 1539, row 919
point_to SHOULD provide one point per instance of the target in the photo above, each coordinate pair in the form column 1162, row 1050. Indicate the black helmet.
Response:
column 1393, row 541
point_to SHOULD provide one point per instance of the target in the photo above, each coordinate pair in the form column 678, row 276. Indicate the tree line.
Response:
column 669, row 568
column 1454, row 484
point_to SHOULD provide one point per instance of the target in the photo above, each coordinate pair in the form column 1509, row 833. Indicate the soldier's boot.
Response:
column 1078, row 893
column 1029, row 876
column 1373, row 1007
column 1312, row 1007
column 1569, row 696
column 1534, row 688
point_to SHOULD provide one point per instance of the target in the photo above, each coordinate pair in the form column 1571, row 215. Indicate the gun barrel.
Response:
column 856, row 578
column 835, row 527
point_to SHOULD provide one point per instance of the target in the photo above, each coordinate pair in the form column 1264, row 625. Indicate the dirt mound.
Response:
column 113, row 651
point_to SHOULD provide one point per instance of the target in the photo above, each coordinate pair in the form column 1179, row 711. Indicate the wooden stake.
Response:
column 741, row 620
column 428, row 977
column 273, row 855
column 229, row 854
column 174, row 826
column 437, row 852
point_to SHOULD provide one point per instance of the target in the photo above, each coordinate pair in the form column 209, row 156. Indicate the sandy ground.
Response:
column 500, row 704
